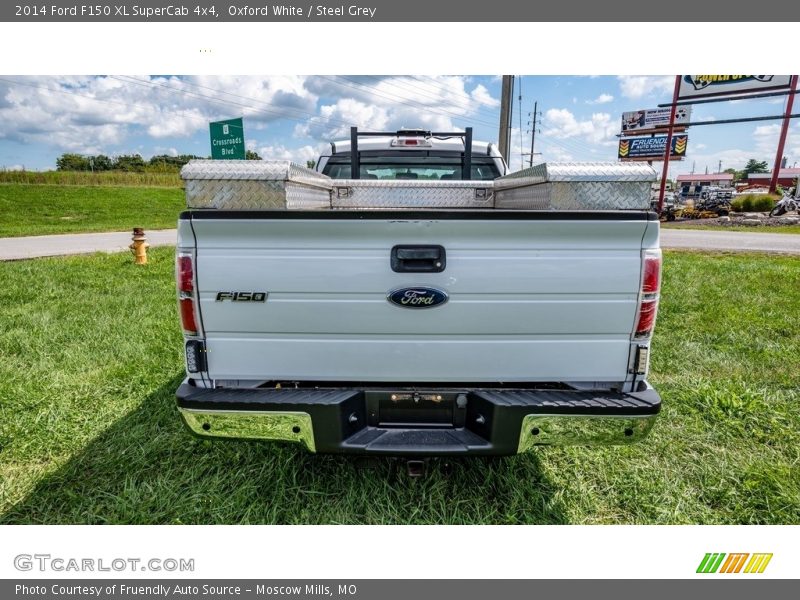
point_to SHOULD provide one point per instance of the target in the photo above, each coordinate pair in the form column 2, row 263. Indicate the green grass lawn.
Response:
column 49, row 209
column 89, row 432
column 759, row 229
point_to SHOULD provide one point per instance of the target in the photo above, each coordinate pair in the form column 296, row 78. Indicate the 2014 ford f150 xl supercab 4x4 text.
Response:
column 411, row 298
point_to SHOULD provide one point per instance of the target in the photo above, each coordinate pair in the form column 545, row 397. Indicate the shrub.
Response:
column 753, row 203
column 763, row 203
column 743, row 203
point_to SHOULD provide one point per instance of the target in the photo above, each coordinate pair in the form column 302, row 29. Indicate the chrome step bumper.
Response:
column 430, row 422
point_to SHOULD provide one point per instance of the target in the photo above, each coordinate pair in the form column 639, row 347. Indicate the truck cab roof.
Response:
column 412, row 154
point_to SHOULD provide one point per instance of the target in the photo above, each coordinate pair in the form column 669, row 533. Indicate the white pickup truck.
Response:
column 410, row 298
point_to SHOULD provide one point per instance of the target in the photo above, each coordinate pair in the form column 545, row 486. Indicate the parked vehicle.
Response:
column 411, row 298
column 784, row 205
column 719, row 205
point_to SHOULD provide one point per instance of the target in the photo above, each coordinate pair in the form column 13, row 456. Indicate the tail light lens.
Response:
column 185, row 273
column 649, row 294
column 651, row 278
column 185, row 277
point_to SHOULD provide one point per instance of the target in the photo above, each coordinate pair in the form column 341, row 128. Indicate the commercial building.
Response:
column 786, row 178
column 724, row 180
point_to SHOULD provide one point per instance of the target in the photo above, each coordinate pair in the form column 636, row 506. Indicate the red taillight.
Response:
column 651, row 278
column 647, row 318
column 185, row 276
column 187, row 316
column 648, row 297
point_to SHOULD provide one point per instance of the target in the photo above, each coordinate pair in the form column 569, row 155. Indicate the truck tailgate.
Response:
column 533, row 296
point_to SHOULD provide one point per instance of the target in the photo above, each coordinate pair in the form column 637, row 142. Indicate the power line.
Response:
column 93, row 98
column 490, row 113
column 261, row 102
column 145, row 83
column 401, row 100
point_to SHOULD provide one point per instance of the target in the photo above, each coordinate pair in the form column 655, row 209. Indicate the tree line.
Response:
column 130, row 162
column 752, row 166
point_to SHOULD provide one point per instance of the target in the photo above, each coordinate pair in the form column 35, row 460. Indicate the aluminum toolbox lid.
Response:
column 261, row 170
column 610, row 172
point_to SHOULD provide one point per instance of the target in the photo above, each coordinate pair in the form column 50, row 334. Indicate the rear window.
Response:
column 411, row 164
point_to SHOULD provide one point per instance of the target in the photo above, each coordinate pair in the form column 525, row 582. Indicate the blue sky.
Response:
column 296, row 116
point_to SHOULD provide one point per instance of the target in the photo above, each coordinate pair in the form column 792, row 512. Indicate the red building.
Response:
column 786, row 178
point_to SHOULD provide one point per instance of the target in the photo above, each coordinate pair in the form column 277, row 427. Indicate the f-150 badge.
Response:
column 417, row 297
column 242, row 296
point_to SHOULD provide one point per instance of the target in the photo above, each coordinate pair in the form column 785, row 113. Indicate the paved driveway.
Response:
column 81, row 243
column 77, row 243
column 730, row 240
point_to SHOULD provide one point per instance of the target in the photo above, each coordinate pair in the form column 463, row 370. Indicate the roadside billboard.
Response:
column 705, row 86
column 652, row 148
column 654, row 119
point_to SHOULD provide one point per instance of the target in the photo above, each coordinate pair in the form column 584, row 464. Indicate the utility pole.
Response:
column 773, row 184
column 521, row 151
column 719, row 168
column 533, row 132
column 505, row 115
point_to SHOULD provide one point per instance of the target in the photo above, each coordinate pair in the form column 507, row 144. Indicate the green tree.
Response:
column 166, row 162
column 311, row 164
column 101, row 162
column 129, row 162
column 755, row 166
column 72, row 162
column 251, row 155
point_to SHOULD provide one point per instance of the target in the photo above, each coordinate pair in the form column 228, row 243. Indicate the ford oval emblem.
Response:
column 417, row 297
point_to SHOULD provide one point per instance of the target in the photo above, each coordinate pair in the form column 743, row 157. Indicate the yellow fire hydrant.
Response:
column 139, row 246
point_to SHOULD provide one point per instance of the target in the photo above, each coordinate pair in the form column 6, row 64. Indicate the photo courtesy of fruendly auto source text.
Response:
column 327, row 274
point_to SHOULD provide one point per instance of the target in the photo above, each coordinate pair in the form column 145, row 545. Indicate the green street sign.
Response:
column 227, row 140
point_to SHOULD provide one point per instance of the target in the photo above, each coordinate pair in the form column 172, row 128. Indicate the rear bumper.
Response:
column 423, row 423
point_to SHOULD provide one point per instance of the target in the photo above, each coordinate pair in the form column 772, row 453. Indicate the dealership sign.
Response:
column 652, row 119
column 704, row 86
column 652, row 148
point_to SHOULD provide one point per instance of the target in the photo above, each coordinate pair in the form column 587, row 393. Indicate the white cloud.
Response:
column 482, row 96
column 92, row 114
column 599, row 129
column 335, row 120
column 601, row 99
column 168, row 151
column 12, row 168
column 734, row 158
column 551, row 153
column 766, row 140
column 639, row 86
column 280, row 152
column 105, row 114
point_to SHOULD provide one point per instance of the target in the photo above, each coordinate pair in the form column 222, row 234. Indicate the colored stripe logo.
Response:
column 737, row 562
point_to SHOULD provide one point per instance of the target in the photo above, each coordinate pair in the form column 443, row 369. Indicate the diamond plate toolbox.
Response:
column 372, row 193
column 254, row 185
column 576, row 186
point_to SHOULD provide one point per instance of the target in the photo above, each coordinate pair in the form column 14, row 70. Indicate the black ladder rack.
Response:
column 466, row 156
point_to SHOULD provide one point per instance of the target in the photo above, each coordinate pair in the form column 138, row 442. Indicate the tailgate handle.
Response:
column 418, row 259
